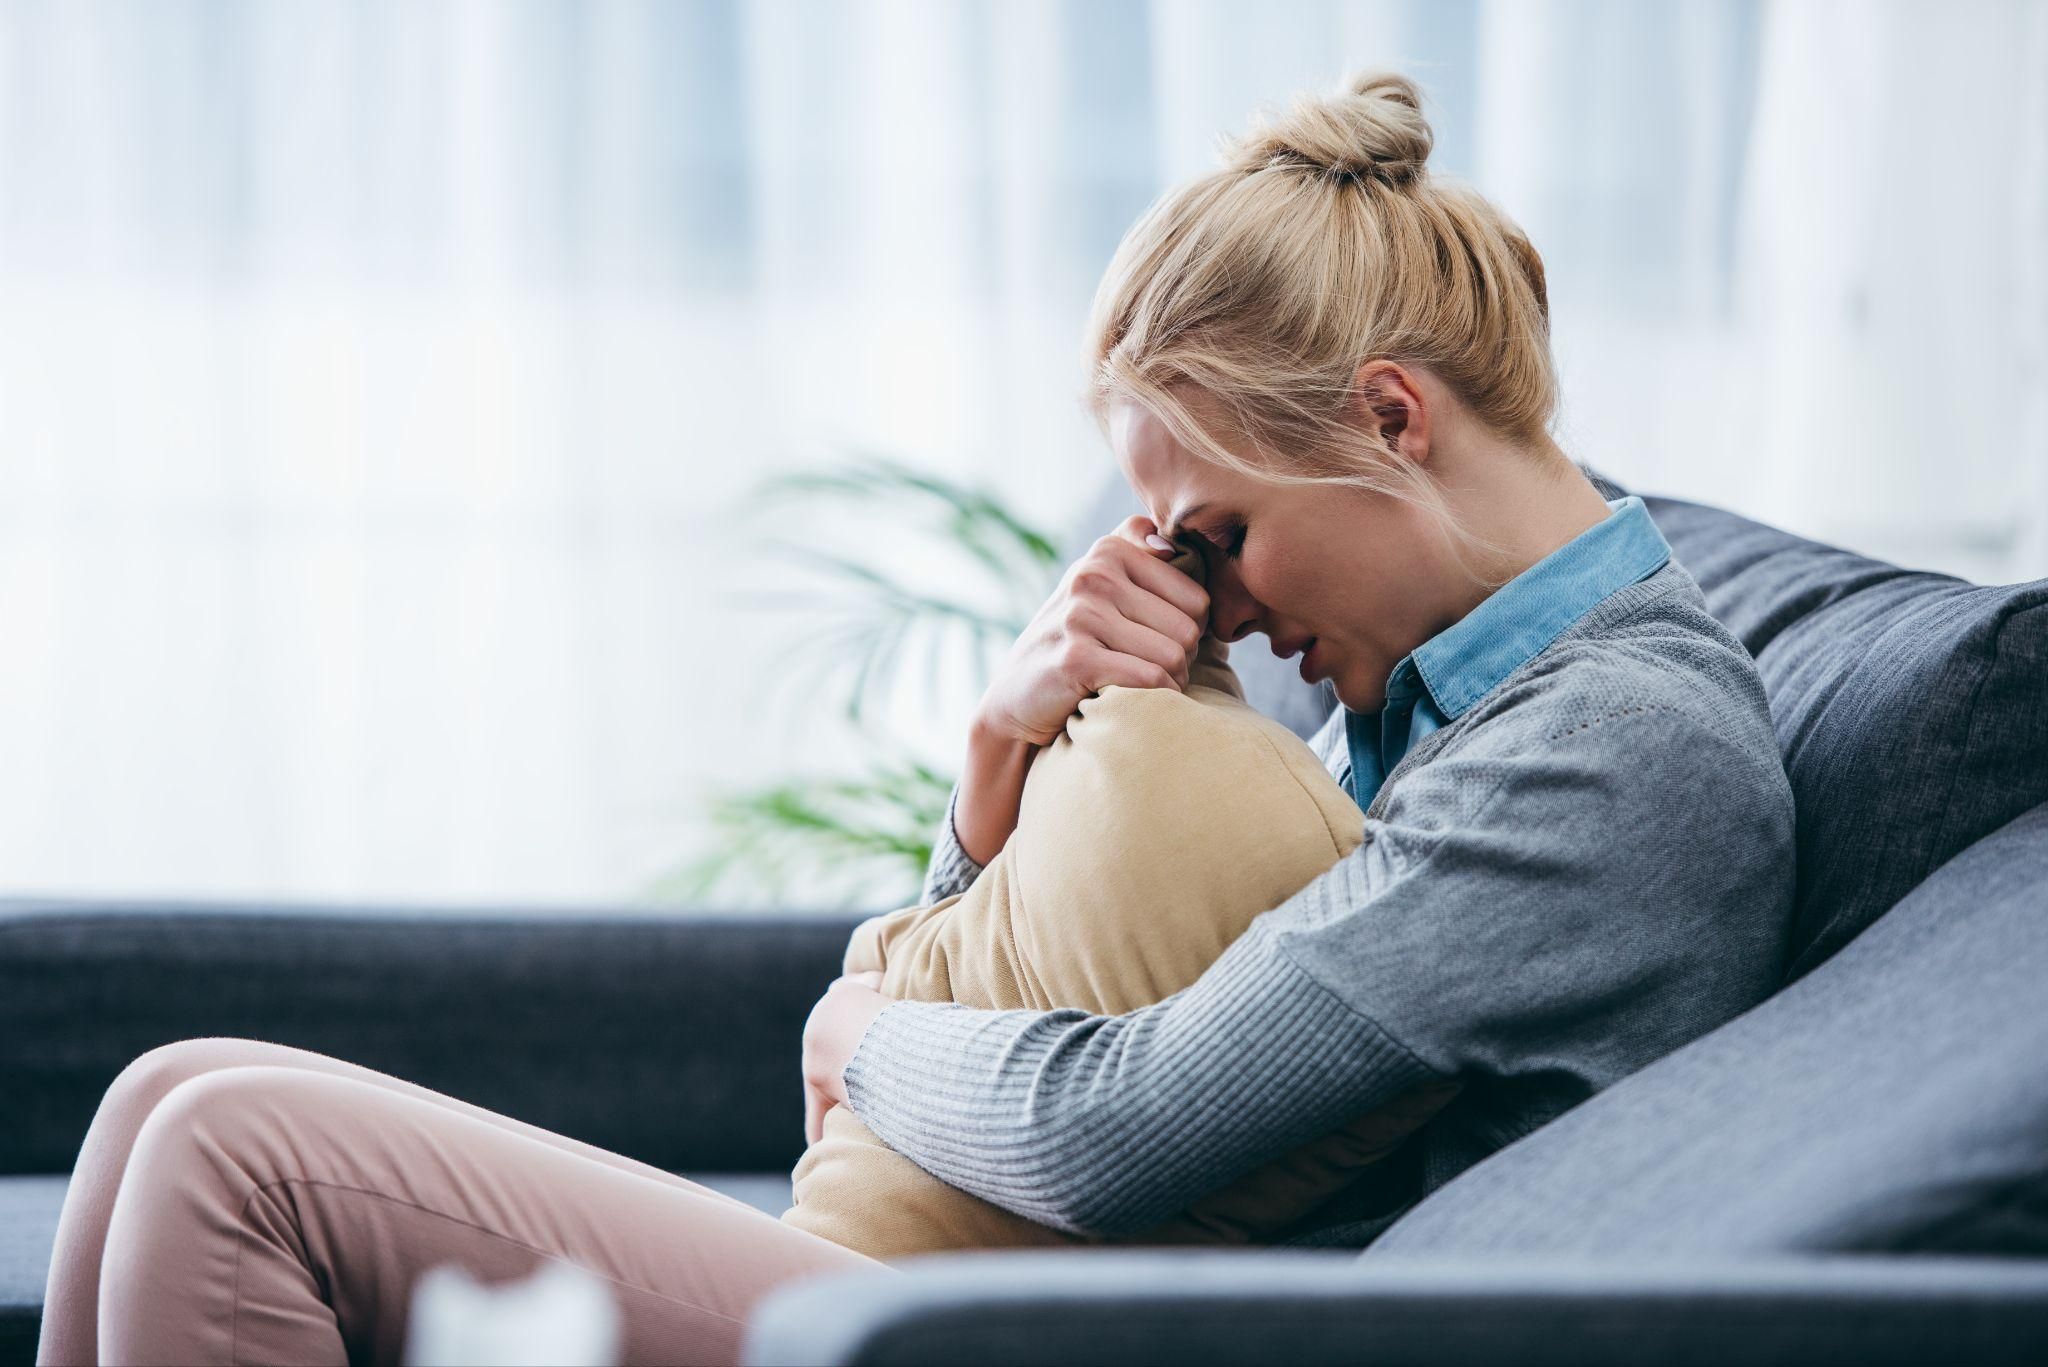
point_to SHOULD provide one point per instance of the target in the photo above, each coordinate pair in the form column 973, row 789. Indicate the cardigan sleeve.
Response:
column 1561, row 904
column 1105, row 1125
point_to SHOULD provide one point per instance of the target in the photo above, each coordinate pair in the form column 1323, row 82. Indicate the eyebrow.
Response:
column 1187, row 513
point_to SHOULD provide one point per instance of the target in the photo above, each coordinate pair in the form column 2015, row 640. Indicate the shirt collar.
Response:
column 1462, row 663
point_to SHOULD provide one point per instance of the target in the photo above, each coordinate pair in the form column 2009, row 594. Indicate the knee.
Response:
column 195, row 1157
column 151, row 1076
column 232, row 1113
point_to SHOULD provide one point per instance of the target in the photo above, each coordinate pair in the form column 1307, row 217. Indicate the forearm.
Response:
column 1109, row 1125
column 990, row 792
column 951, row 869
column 981, row 813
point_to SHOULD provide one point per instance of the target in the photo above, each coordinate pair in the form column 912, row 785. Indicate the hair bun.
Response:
column 1372, row 128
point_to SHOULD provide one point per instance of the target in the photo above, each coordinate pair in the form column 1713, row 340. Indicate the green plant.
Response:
column 834, row 839
column 1018, row 566
column 840, row 838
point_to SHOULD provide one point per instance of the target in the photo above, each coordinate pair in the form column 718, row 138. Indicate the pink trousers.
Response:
column 238, row 1201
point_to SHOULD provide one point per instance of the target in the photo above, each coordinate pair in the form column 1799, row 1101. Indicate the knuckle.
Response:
column 1092, row 581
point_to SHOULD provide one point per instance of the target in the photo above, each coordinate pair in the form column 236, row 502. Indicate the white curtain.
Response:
column 381, row 383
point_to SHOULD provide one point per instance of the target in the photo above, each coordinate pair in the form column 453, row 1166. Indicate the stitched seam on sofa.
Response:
column 263, row 1189
column 1778, row 618
column 1944, row 835
column 1824, row 937
column 1955, row 773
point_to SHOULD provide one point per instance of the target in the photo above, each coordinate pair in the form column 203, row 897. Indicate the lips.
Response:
column 1304, row 644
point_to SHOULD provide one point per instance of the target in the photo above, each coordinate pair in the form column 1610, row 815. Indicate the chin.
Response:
column 1353, row 699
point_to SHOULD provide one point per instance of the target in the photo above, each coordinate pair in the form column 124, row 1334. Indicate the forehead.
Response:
column 1159, row 468
column 1141, row 440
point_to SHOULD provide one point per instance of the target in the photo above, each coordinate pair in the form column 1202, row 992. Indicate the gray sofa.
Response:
column 1854, row 1171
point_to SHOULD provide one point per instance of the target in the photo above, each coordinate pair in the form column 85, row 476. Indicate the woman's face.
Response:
column 1357, row 579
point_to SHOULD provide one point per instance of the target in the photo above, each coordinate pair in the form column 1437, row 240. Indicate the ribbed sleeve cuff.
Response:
column 950, row 870
column 1109, row 1125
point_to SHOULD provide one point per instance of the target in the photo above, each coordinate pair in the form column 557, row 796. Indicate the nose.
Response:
column 1233, row 612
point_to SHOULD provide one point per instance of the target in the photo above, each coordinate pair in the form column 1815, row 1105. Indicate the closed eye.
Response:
column 1232, row 542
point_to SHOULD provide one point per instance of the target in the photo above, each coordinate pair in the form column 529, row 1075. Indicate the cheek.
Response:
column 1291, row 589
column 1262, row 580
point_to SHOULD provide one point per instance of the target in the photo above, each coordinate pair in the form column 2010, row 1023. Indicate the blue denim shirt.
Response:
column 1453, row 669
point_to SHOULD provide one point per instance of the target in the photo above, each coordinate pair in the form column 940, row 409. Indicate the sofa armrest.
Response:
column 670, row 1036
column 1324, row 1306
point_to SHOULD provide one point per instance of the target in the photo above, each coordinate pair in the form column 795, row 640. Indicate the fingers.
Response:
column 1147, row 568
column 1151, row 611
column 1108, row 667
column 1120, row 634
column 1135, row 528
column 1141, row 532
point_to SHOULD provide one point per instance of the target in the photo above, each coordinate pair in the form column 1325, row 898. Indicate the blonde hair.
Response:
column 1323, row 241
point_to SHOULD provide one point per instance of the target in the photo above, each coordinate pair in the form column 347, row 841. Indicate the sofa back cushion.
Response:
column 694, row 1013
column 1892, row 1101
column 1911, row 707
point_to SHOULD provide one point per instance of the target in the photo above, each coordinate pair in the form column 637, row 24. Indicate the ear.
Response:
column 1387, row 398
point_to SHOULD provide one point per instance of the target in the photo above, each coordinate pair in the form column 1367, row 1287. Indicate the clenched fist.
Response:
column 1121, row 615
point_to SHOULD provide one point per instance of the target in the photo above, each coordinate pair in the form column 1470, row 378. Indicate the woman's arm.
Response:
column 990, row 792
column 1107, row 1125
column 981, row 811
column 1555, row 906
column 951, row 869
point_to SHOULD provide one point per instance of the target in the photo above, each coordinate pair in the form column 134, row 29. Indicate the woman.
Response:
column 1335, row 370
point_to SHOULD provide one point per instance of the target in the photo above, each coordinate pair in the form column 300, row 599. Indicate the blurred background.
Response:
column 550, row 452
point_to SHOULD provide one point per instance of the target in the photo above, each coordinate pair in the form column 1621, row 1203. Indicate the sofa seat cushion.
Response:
column 1911, row 707
column 1893, row 1100
column 28, row 1226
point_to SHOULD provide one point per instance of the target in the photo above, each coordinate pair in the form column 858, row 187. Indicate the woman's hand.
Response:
column 831, row 1035
column 1122, row 615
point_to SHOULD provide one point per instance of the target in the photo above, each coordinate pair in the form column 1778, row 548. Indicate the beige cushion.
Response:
column 1151, row 833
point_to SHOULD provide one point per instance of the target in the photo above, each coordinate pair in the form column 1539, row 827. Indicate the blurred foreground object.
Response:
column 560, row 1315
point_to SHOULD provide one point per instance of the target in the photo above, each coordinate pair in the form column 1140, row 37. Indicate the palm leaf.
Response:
column 868, row 837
